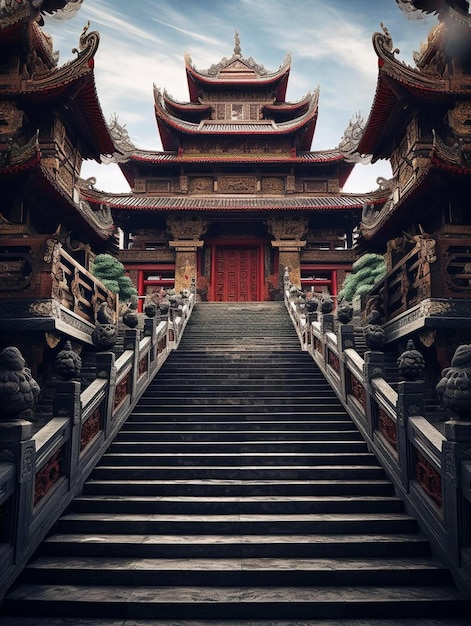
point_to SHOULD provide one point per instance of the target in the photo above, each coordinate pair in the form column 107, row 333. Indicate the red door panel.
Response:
column 237, row 275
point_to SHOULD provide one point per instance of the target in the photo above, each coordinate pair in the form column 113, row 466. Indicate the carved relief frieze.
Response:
column 459, row 119
column 157, row 186
column 273, row 184
column 237, row 184
column 406, row 176
column 139, row 185
column 201, row 184
column 315, row 186
column 186, row 228
column 287, row 227
column 11, row 118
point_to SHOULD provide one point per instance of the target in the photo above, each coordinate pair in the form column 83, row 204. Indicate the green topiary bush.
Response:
column 366, row 272
column 112, row 274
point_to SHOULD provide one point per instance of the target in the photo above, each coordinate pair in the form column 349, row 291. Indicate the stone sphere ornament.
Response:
column 454, row 388
column 104, row 336
column 18, row 389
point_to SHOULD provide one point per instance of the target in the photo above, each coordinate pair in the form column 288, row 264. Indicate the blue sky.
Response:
column 144, row 42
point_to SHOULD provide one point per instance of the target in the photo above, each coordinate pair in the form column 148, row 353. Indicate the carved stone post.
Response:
column 18, row 447
column 410, row 402
column 456, row 454
column 186, row 233
column 67, row 404
column 105, row 368
column 373, row 367
column 131, row 342
column 288, row 233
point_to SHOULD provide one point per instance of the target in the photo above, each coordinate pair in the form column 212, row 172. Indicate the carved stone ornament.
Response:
column 287, row 228
column 351, row 138
column 187, row 228
column 18, row 389
column 459, row 119
column 454, row 388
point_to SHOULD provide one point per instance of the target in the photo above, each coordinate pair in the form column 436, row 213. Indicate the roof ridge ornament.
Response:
column 237, row 48
column 351, row 139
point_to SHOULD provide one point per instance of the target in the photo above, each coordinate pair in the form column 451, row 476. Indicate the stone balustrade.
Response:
column 431, row 471
column 41, row 473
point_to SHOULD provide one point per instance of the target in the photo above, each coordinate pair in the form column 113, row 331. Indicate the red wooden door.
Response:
column 237, row 275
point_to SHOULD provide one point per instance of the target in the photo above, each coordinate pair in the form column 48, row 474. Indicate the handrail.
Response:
column 40, row 474
column 431, row 472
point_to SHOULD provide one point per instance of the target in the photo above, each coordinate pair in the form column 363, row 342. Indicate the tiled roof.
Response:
column 321, row 156
column 136, row 202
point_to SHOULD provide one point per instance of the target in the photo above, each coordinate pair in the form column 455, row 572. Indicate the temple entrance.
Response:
column 237, row 274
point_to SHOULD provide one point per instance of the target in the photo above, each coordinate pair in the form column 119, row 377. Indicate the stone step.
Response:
column 153, row 472
column 241, row 546
column 243, row 459
column 238, row 505
column 217, row 603
column 135, row 432
column 229, row 447
column 222, row 412
column 227, row 572
column 247, row 524
column 256, row 427
column 212, row 487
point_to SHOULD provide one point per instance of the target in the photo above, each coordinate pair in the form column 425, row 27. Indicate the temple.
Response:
column 50, row 120
column 420, row 121
column 236, row 195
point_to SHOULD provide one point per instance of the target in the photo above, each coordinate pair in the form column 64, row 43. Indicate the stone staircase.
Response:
column 238, row 492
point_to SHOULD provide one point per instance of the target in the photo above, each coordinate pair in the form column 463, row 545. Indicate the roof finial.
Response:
column 237, row 49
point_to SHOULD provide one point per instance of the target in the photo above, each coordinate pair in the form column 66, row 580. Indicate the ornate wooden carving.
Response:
column 428, row 478
column 387, row 427
column 90, row 428
column 48, row 476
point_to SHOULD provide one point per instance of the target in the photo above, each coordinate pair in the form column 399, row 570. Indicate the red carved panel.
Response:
column 387, row 427
column 333, row 361
column 428, row 478
column 122, row 390
column 90, row 428
column 237, row 275
column 47, row 476
column 142, row 368
column 162, row 344
column 318, row 346
column 357, row 390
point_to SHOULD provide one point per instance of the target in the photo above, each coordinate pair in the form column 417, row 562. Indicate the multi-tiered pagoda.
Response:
column 421, row 121
column 236, row 195
column 50, row 120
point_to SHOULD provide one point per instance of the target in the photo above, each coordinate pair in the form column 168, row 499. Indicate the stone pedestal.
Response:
column 185, row 262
